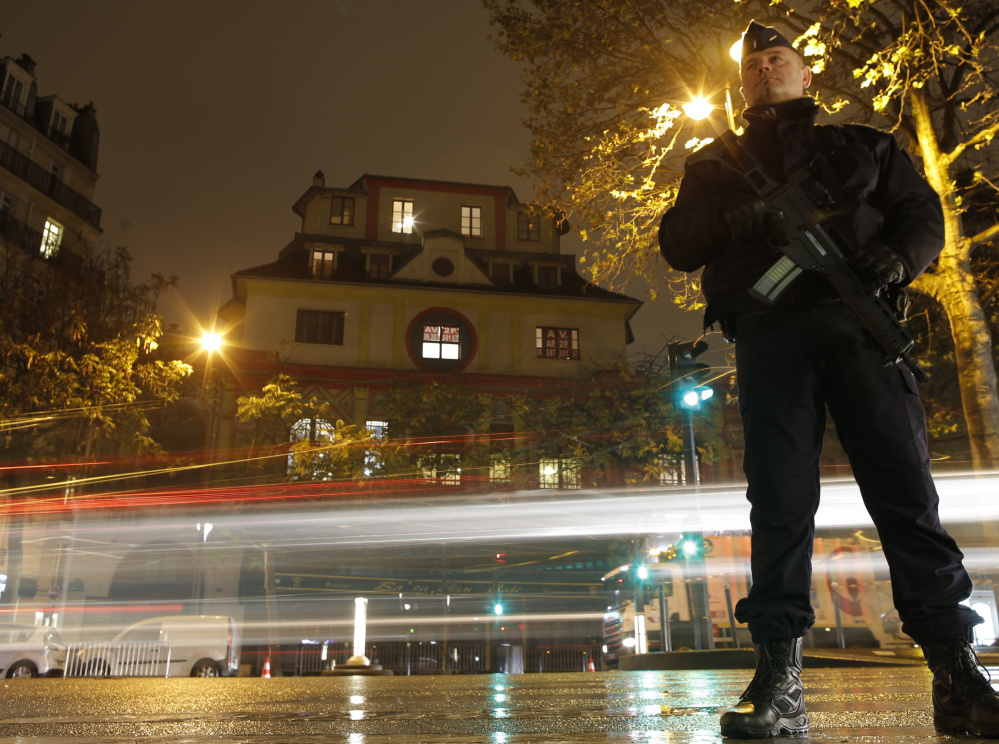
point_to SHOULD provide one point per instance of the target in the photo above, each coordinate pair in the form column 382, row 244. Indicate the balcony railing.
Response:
column 17, row 233
column 49, row 184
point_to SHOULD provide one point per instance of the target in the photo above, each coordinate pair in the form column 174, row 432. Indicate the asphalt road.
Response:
column 883, row 705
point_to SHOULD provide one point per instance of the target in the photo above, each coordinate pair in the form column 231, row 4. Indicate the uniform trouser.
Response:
column 791, row 365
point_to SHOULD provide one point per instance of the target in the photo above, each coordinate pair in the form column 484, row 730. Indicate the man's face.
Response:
column 774, row 75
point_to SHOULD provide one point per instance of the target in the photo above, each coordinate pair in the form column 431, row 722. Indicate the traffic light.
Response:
column 692, row 546
column 688, row 375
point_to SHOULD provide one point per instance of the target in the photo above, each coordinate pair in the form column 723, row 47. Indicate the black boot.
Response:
column 963, row 698
column 774, row 703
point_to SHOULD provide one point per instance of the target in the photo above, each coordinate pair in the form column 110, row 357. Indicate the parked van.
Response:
column 167, row 646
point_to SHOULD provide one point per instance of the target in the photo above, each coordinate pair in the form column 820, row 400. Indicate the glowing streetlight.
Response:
column 735, row 51
column 698, row 109
column 211, row 341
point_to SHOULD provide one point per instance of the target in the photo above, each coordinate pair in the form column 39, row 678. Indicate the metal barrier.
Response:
column 313, row 658
column 569, row 658
column 118, row 659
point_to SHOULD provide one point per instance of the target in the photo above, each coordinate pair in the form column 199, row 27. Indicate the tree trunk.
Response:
column 953, row 286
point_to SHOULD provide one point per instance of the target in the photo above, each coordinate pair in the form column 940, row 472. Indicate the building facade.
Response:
column 393, row 277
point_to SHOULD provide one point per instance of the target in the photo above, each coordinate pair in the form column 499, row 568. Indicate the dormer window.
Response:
column 324, row 264
column 342, row 210
column 549, row 277
column 528, row 227
column 501, row 273
column 13, row 88
column 379, row 265
column 59, row 123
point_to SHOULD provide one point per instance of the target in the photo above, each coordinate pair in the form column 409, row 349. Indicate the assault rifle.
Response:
column 810, row 241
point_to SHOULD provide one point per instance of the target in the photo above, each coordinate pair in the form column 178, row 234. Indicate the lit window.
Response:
column 342, row 210
column 323, row 263
column 528, row 227
column 51, row 238
column 318, row 432
column 471, row 222
column 379, row 265
column 319, row 327
column 500, row 470
column 402, row 216
column 557, row 343
column 441, row 342
column 372, row 460
column 444, row 469
column 559, row 472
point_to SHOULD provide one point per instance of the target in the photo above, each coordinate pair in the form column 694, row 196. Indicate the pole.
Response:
column 731, row 615
column 840, row 636
column 666, row 639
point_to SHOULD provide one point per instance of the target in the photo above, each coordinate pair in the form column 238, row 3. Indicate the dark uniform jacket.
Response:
column 882, row 196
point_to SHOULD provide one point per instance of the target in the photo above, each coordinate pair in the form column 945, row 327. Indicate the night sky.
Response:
column 215, row 114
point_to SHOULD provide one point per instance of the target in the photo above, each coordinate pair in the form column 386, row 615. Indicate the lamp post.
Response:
column 701, row 108
column 211, row 343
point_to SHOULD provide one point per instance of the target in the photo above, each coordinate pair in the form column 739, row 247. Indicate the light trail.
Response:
column 408, row 514
column 723, row 509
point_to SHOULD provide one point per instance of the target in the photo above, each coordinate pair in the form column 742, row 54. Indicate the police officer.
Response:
column 810, row 352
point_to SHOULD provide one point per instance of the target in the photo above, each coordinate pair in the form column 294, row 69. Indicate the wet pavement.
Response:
column 883, row 705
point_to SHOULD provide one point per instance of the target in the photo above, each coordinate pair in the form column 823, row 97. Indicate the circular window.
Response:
column 441, row 339
column 443, row 267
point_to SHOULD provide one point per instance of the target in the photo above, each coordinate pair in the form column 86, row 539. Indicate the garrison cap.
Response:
column 757, row 37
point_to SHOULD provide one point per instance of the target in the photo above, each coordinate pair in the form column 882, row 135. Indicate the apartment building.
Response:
column 48, row 166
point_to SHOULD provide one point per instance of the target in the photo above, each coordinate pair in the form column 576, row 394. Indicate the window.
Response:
column 314, row 465
column 379, row 265
column 402, row 216
column 6, row 203
column 528, row 227
column 444, row 469
column 12, row 93
column 548, row 277
column 500, row 470
column 501, row 273
column 51, row 238
column 323, row 263
column 319, row 327
column 372, row 460
column 58, row 123
column 342, row 210
column 559, row 472
column 471, row 222
column 558, row 343
column 441, row 342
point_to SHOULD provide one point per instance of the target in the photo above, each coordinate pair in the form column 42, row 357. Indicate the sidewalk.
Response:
column 813, row 658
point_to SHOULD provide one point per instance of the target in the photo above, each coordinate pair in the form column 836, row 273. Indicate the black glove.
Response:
column 748, row 217
column 877, row 265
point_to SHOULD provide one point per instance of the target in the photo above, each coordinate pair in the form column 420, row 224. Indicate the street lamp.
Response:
column 211, row 342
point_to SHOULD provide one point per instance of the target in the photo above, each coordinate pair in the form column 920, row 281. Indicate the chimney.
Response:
column 319, row 180
column 27, row 64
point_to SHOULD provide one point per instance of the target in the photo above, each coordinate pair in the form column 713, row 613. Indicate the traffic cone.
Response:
column 266, row 674
column 591, row 667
